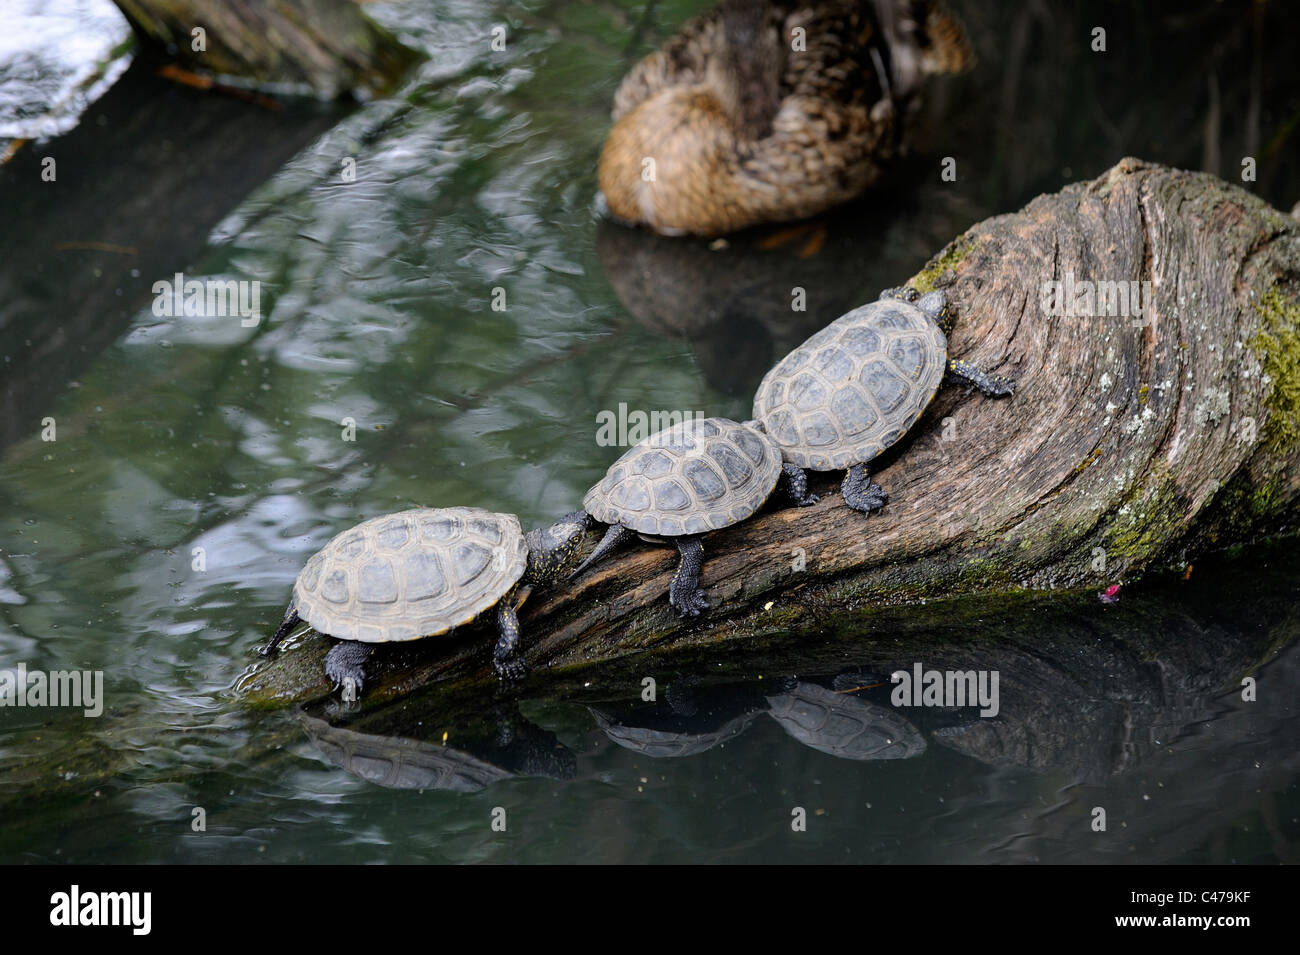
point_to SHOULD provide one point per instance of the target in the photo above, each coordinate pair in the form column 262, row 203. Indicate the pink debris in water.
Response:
column 1110, row 595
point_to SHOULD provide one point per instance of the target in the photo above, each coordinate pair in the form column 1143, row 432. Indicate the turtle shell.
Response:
column 413, row 574
column 695, row 477
column 854, row 388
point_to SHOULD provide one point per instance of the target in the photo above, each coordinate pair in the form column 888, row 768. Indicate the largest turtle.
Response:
column 857, row 386
column 424, row 572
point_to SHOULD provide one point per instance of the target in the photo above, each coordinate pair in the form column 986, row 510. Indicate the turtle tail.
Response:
column 291, row 620
column 616, row 535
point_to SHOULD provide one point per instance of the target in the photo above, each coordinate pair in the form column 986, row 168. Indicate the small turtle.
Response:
column 424, row 572
column 857, row 386
column 680, row 483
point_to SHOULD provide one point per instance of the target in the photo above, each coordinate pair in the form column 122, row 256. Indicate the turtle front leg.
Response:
column 344, row 664
column 991, row 386
column 795, row 485
column 505, row 659
column 684, row 592
column 859, row 493
column 291, row 620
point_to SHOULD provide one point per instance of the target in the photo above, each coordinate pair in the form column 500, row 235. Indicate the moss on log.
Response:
column 1133, row 443
column 330, row 46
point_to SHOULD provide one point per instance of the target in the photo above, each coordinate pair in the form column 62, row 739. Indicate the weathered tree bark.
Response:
column 328, row 45
column 1132, row 444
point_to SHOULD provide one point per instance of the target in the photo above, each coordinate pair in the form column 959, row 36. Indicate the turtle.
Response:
column 857, row 386
column 424, row 572
column 697, row 476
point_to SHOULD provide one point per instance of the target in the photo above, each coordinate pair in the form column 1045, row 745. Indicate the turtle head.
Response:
column 903, row 293
column 553, row 551
column 934, row 305
column 936, row 308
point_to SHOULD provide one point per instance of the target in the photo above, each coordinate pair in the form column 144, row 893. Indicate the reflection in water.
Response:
column 689, row 720
column 78, row 275
column 1083, row 689
column 843, row 726
column 186, row 434
column 1134, row 706
column 834, row 723
column 744, row 302
column 478, row 757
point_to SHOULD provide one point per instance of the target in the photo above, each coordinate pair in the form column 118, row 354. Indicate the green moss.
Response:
column 1087, row 462
column 1264, row 500
column 1146, row 524
column 953, row 253
column 1278, row 346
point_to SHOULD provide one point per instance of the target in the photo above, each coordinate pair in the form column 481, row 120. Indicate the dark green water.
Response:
column 187, row 432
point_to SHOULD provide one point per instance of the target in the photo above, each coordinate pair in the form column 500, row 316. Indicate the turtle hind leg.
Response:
column 859, row 493
column 291, row 620
column 795, row 485
column 345, row 665
column 991, row 386
column 684, row 592
column 505, row 658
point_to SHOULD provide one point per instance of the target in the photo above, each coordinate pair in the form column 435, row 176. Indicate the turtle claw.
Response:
column 344, row 665
column 875, row 497
column 510, row 670
column 691, row 605
column 860, row 493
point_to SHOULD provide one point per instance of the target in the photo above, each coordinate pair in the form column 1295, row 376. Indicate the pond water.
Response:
column 199, row 461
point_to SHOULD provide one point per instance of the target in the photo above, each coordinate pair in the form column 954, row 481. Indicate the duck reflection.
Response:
column 744, row 302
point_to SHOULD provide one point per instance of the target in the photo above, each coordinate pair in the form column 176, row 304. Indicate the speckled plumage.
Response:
column 744, row 127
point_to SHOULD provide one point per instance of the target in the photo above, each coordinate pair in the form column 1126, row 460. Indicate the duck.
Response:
column 764, row 111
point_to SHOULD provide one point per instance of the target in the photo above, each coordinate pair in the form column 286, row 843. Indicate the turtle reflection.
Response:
column 480, row 755
column 836, row 722
column 841, row 724
column 688, row 721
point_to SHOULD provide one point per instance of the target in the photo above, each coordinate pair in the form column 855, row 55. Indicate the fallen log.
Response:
column 1146, row 429
column 329, row 46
